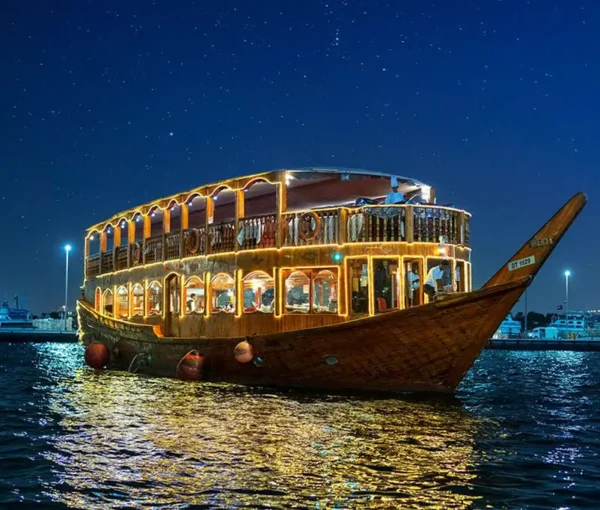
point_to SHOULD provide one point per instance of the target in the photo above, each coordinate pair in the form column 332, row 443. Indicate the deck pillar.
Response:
column 210, row 218
column 240, row 212
column 409, row 224
column 281, row 194
column 185, row 224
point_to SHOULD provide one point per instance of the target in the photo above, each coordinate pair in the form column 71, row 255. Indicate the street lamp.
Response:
column 567, row 274
column 67, row 250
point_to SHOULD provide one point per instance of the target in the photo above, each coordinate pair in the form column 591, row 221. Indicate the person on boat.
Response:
column 414, row 280
column 394, row 197
column 435, row 278
column 191, row 303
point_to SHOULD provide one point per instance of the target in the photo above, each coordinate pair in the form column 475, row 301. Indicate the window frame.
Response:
column 212, row 290
column 202, row 285
column 311, row 272
column 271, row 281
column 149, row 312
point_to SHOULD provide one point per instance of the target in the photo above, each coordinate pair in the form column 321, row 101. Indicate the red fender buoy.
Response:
column 97, row 355
column 190, row 367
column 243, row 352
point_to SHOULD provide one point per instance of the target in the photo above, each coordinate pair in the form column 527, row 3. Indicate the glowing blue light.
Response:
column 337, row 257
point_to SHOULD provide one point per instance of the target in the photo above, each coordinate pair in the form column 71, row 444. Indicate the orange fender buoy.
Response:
column 97, row 355
column 243, row 352
column 190, row 367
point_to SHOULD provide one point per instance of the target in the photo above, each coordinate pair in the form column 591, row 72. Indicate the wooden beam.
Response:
column 240, row 210
column 281, row 199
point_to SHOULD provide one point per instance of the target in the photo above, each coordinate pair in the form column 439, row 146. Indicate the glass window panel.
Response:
column 122, row 303
column 154, row 298
column 297, row 292
column 137, row 300
column 223, row 294
column 259, row 292
column 107, row 299
column 325, row 292
column 194, row 296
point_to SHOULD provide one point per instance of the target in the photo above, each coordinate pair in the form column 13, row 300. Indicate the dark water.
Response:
column 523, row 432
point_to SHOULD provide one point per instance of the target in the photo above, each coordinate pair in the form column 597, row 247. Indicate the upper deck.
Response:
column 274, row 210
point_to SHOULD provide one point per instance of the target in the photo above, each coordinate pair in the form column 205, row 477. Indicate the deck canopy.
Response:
column 306, row 188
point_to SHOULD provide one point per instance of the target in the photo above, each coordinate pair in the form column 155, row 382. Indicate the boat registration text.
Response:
column 517, row 264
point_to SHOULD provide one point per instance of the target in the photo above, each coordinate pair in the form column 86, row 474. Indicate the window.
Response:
column 137, row 300
column 259, row 292
column 311, row 290
column 297, row 292
column 223, row 293
column 325, row 292
column 107, row 302
column 154, row 298
column 358, row 274
column 194, row 296
column 122, row 303
column 385, row 284
column 173, row 289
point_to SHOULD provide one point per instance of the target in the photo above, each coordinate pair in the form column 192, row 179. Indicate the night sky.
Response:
column 109, row 104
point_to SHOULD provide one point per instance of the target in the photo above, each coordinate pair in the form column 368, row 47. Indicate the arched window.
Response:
column 194, row 296
column 137, row 300
column 107, row 302
column 297, row 292
column 122, row 303
column 98, row 300
column 259, row 292
column 325, row 292
column 154, row 298
column 222, row 293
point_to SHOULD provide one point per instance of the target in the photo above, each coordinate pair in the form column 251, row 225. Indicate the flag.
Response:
column 559, row 307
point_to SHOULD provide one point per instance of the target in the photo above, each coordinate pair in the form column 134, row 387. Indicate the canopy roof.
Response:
column 308, row 188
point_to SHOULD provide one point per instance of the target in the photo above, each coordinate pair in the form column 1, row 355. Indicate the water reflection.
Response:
column 523, row 432
column 143, row 441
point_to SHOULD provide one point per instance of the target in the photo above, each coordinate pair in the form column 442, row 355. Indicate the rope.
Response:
column 192, row 351
column 133, row 360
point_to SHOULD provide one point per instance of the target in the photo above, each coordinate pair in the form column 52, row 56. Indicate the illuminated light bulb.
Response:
column 442, row 251
column 91, row 238
column 337, row 257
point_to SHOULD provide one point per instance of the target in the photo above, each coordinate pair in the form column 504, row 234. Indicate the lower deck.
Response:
column 272, row 291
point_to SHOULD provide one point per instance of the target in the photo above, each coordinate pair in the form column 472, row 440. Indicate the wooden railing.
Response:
column 369, row 224
column 173, row 246
column 257, row 232
column 221, row 237
column 376, row 224
column 153, row 249
column 431, row 223
column 121, row 258
column 311, row 228
column 92, row 266
column 194, row 242
column 107, row 262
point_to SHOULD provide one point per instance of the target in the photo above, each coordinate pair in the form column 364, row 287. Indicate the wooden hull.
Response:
column 425, row 348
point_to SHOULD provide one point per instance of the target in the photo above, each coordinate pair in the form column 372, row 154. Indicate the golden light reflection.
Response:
column 136, row 441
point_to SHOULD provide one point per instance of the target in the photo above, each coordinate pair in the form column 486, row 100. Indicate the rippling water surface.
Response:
column 522, row 432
